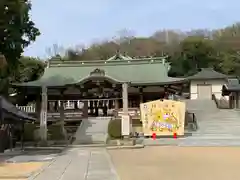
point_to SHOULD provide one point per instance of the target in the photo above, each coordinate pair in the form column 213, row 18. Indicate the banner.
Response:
column 163, row 117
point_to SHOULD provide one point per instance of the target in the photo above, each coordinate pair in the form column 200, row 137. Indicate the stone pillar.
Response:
column 125, row 117
column 43, row 116
column 125, row 98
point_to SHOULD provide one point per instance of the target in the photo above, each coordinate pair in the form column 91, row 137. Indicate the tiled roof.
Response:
column 135, row 71
column 207, row 73
column 10, row 108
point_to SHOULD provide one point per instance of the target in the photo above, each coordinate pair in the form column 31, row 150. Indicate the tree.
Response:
column 188, row 51
column 29, row 69
column 198, row 50
column 194, row 52
column 17, row 30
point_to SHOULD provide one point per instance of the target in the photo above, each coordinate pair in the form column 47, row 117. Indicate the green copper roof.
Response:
column 207, row 73
column 135, row 71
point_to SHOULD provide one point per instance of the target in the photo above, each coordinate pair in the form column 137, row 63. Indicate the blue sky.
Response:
column 76, row 22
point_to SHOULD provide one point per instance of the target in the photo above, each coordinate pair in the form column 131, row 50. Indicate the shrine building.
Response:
column 73, row 90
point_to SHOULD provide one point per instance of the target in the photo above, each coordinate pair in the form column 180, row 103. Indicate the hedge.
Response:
column 115, row 129
column 54, row 132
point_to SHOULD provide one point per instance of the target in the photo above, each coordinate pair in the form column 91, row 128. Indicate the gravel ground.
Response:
column 177, row 163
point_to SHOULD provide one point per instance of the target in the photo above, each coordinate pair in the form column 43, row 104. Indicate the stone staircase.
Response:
column 216, row 127
column 93, row 130
column 200, row 105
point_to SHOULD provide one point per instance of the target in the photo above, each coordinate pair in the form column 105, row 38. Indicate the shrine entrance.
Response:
column 100, row 107
column 100, row 94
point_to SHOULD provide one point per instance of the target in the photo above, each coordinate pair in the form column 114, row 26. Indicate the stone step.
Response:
column 218, row 127
column 92, row 130
column 208, row 135
column 210, row 142
column 215, row 133
column 215, row 127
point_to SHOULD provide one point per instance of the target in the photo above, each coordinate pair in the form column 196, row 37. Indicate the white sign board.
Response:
column 125, row 125
column 43, row 118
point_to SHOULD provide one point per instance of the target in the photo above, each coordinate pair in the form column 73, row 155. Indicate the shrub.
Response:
column 29, row 131
column 115, row 129
column 55, row 132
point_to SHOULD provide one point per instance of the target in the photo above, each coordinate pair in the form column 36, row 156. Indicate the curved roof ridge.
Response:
column 119, row 56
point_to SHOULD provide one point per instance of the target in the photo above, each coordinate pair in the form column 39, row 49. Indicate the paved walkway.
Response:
column 81, row 164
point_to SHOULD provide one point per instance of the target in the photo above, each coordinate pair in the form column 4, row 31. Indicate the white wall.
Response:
column 216, row 87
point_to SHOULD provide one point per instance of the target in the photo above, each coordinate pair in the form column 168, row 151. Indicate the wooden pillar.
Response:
column 231, row 101
column 141, row 94
column 43, row 116
column 38, row 107
column 22, row 135
column 95, row 108
column 62, row 116
column 237, row 100
column 11, row 137
column 85, row 109
column 91, row 107
column 126, row 124
column 1, row 113
column 110, row 104
column 2, row 142
column 105, row 107
column 165, row 92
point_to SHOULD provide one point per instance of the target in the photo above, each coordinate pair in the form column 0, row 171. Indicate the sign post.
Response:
column 125, row 125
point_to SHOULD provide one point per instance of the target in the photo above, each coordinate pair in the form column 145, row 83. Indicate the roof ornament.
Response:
column 97, row 72
column 118, row 54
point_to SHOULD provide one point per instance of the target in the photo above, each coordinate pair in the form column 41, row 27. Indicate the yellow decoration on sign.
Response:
column 163, row 117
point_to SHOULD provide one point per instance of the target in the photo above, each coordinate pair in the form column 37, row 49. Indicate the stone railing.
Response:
column 222, row 103
column 70, row 110
column 27, row 109
column 32, row 108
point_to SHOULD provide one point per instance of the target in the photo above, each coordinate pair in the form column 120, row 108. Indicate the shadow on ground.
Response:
column 31, row 155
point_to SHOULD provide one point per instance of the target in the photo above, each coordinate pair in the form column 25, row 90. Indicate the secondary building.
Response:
column 206, row 83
